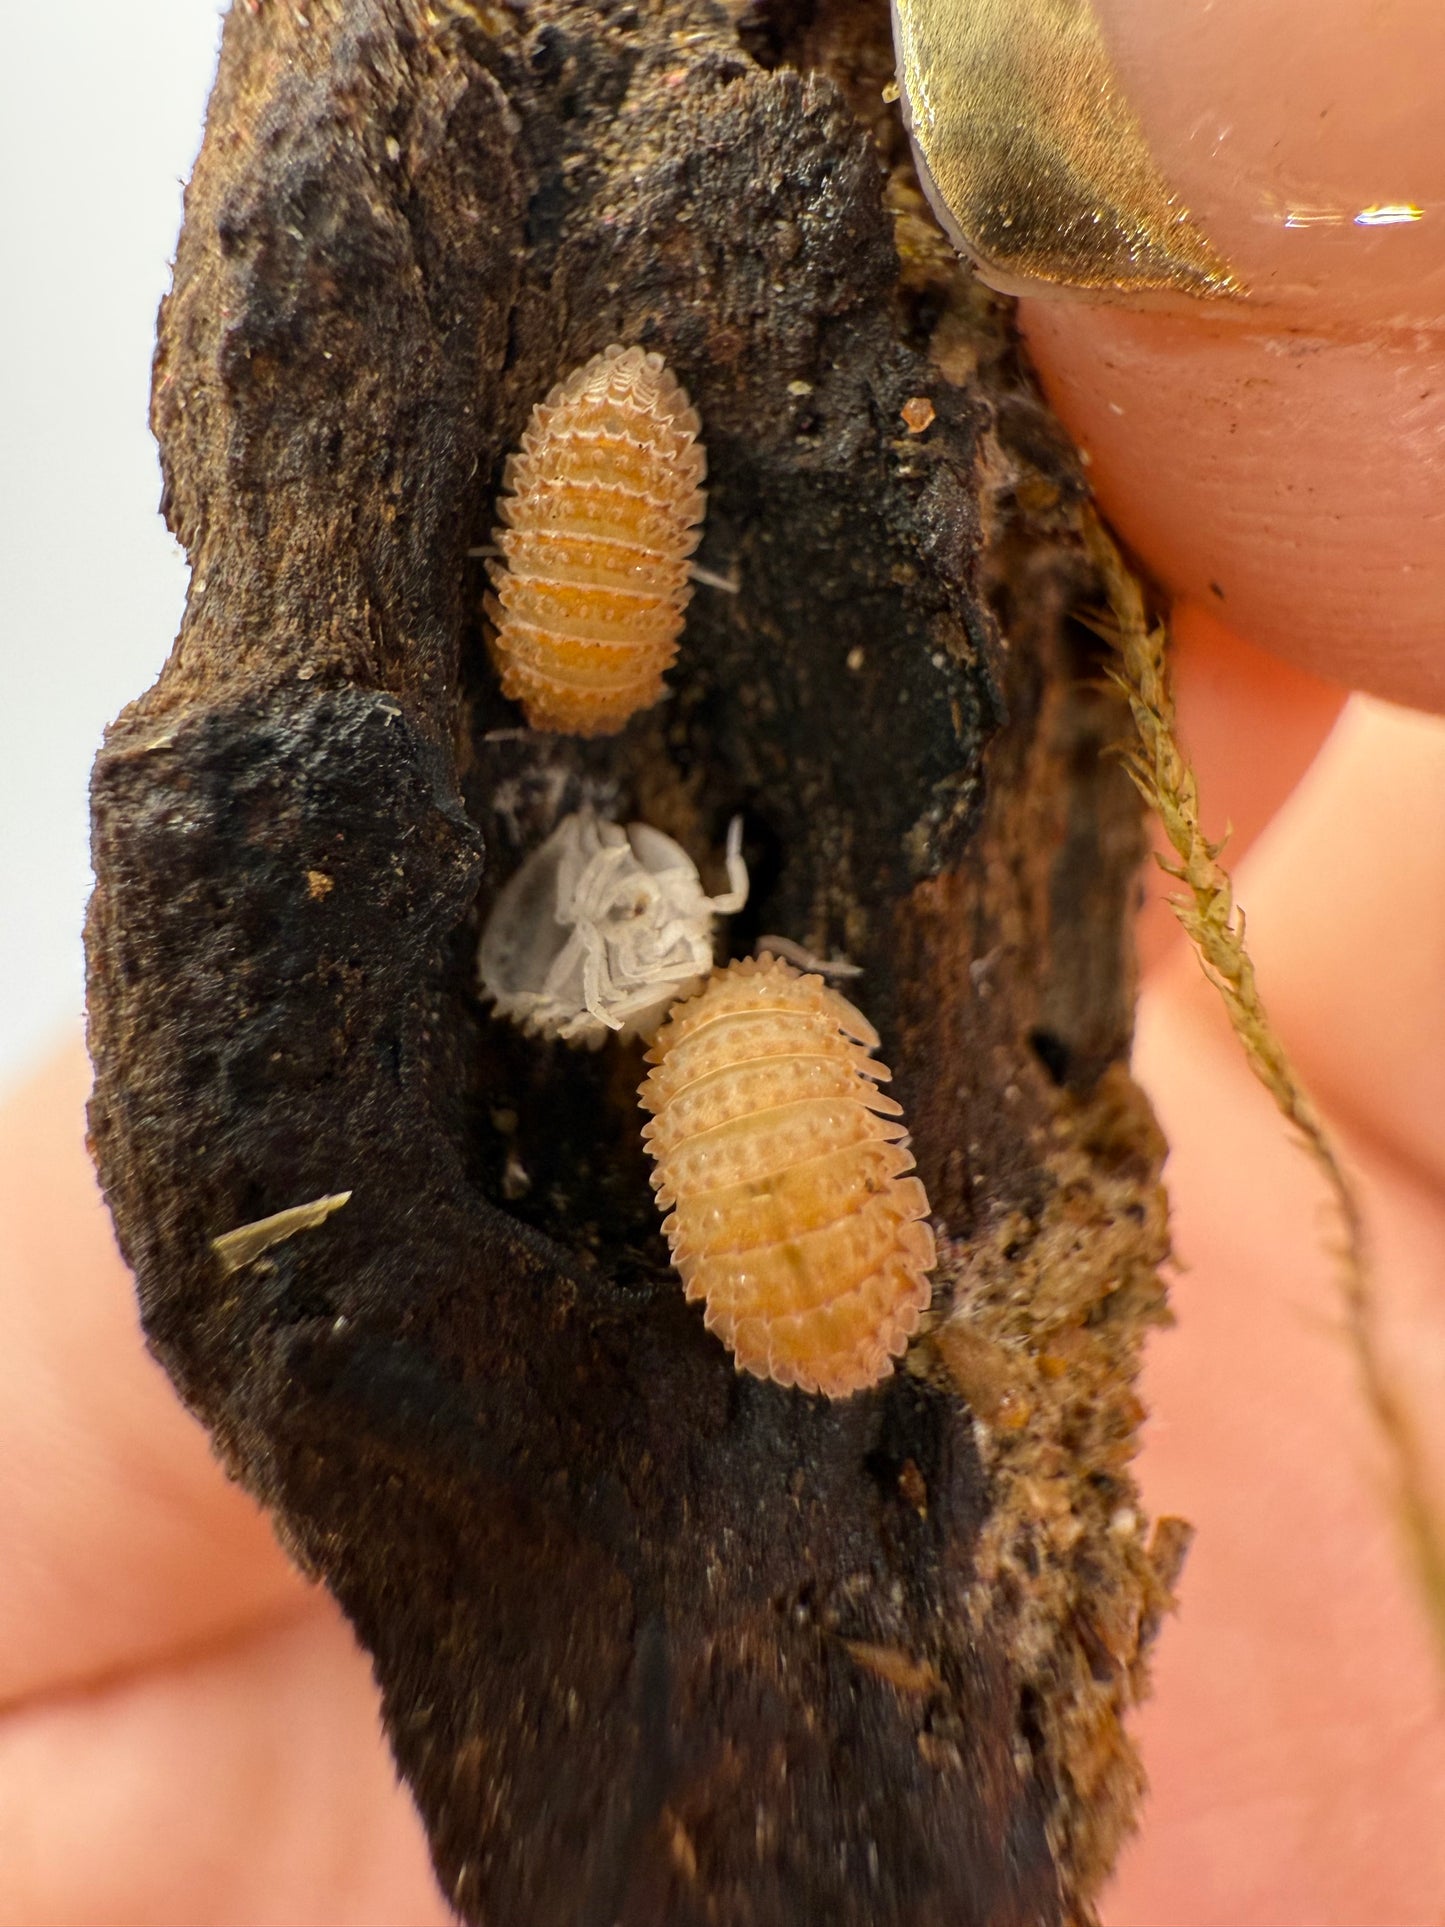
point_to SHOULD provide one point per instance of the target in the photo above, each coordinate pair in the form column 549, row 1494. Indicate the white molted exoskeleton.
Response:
column 603, row 929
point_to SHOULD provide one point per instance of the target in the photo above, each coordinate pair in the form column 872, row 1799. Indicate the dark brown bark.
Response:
column 655, row 1643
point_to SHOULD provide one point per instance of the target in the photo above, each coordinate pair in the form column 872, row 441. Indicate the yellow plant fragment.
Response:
column 237, row 1248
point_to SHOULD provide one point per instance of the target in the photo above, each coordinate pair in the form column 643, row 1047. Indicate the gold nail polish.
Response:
column 1033, row 158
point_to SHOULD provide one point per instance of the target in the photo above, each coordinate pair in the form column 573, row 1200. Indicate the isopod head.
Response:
column 602, row 510
column 786, row 1169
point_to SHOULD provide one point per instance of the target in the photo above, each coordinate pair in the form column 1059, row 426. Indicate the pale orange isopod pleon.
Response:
column 784, row 1167
column 604, row 506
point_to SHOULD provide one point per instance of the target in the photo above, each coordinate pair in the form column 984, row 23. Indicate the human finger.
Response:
column 123, row 1538
column 245, row 1785
column 1279, row 460
column 1296, row 1741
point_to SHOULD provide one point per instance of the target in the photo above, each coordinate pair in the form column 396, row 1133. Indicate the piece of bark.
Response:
column 654, row 1642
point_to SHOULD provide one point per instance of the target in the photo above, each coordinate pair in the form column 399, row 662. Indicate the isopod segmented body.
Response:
column 604, row 510
column 784, row 1166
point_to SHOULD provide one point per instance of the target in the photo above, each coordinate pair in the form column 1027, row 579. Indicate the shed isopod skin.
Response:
column 602, row 930
column 784, row 1167
column 603, row 506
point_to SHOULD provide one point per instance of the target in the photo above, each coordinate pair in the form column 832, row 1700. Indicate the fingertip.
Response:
column 1268, row 430
column 1302, row 143
column 1280, row 459
column 1293, row 483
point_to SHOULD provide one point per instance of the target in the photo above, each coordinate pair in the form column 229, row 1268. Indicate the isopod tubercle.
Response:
column 784, row 1169
column 602, row 509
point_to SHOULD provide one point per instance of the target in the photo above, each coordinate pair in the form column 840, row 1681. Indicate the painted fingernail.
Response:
column 1035, row 162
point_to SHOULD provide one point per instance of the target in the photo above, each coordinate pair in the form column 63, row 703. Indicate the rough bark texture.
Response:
column 655, row 1643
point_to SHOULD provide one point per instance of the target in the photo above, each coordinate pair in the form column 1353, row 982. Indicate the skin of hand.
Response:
column 188, row 1732
column 1276, row 460
column 1277, row 465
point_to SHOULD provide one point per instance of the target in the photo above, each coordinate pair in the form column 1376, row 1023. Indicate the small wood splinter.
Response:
column 604, row 506
column 784, row 1165
column 237, row 1248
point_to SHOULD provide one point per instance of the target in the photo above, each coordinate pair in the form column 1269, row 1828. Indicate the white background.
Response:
column 101, row 104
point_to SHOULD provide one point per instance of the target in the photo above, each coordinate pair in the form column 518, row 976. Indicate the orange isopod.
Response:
column 604, row 509
column 784, row 1166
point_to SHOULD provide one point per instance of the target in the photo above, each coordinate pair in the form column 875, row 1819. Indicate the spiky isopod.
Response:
column 605, row 502
column 784, row 1165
